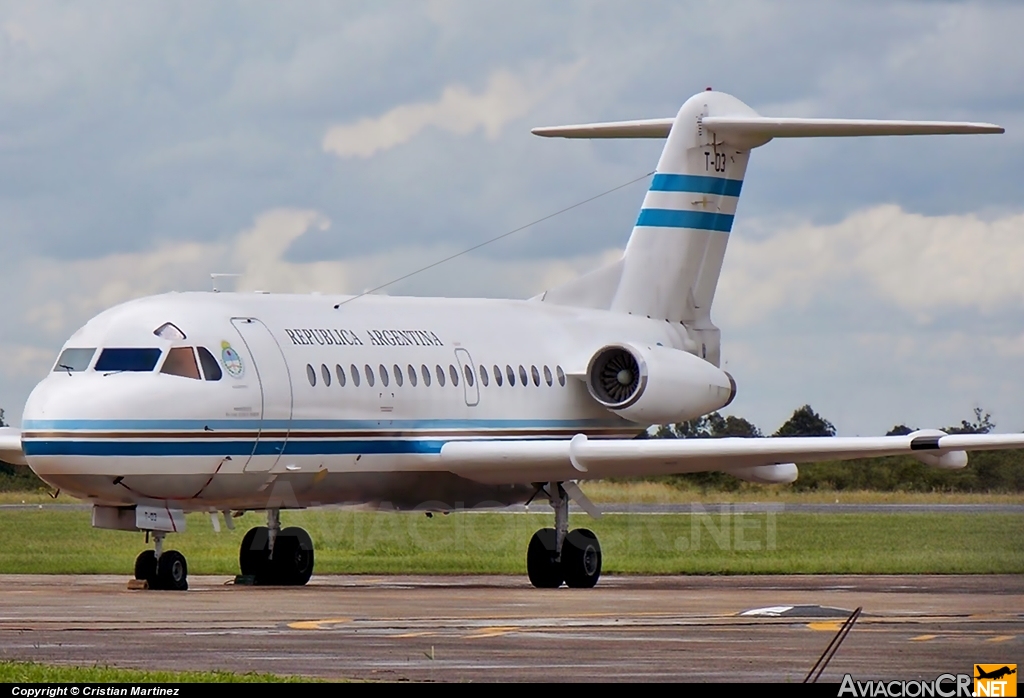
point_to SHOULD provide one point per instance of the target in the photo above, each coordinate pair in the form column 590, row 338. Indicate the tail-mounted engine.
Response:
column 657, row 385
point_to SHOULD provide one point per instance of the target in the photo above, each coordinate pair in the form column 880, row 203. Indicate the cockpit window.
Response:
column 141, row 359
column 181, row 361
column 169, row 331
column 211, row 369
column 74, row 360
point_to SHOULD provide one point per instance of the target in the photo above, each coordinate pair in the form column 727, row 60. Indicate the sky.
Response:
column 332, row 147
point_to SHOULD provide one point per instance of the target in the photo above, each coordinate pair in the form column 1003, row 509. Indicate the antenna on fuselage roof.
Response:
column 217, row 275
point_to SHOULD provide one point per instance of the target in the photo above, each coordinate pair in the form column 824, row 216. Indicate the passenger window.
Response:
column 547, row 375
column 211, row 369
column 440, row 375
column 469, row 375
column 74, row 360
column 369, row 374
column 326, row 373
column 383, row 375
column 340, row 373
column 412, row 375
column 497, row 375
column 355, row 374
column 311, row 375
column 522, row 375
column 181, row 361
column 511, row 375
column 483, row 376
column 425, row 372
column 128, row 359
column 398, row 375
column 454, row 374
column 561, row 375
column 536, row 375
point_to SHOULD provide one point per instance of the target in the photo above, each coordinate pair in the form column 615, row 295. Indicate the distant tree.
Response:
column 736, row 426
column 806, row 422
column 899, row 430
column 710, row 426
column 2, row 422
column 982, row 424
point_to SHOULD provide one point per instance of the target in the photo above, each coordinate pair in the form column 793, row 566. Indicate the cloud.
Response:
column 458, row 110
column 921, row 264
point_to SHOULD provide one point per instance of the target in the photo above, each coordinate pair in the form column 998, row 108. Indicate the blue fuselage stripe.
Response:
column 697, row 184
column 699, row 220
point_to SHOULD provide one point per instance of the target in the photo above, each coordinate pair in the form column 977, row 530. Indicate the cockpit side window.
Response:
column 74, row 360
column 181, row 361
column 128, row 359
column 211, row 369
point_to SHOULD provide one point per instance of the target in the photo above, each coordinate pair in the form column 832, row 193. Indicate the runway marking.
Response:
column 1001, row 638
column 923, row 638
column 494, row 631
column 425, row 633
column 317, row 624
column 831, row 626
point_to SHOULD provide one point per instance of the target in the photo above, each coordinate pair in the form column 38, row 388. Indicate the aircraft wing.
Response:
column 10, row 446
column 771, row 459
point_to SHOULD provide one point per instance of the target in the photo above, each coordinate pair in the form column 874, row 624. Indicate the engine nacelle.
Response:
column 657, row 385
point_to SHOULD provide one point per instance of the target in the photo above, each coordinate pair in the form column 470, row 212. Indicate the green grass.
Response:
column 30, row 672
column 346, row 541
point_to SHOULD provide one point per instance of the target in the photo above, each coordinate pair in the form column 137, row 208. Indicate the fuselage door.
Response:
column 469, row 383
column 271, row 372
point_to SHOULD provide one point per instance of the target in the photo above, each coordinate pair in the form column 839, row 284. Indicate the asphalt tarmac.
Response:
column 494, row 628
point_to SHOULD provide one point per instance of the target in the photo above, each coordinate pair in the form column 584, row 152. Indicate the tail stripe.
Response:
column 697, row 184
column 699, row 220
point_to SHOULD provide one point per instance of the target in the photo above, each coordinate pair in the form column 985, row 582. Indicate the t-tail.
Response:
column 674, row 256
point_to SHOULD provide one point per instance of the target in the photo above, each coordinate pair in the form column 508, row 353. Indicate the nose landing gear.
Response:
column 557, row 555
column 275, row 556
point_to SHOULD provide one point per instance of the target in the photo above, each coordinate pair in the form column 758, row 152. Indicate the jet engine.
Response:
column 657, row 385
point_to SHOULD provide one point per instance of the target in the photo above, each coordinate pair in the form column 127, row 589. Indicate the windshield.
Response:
column 143, row 359
column 74, row 360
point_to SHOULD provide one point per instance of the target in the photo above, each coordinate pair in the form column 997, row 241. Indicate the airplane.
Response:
column 233, row 402
column 995, row 674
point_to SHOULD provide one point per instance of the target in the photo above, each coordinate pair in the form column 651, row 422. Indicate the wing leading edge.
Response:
column 10, row 446
column 759, row 459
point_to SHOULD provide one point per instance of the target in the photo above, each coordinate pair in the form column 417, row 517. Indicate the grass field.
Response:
column 346, row 541
column 30, row 672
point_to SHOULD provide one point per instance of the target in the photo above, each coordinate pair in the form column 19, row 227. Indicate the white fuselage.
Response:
column 318, row 400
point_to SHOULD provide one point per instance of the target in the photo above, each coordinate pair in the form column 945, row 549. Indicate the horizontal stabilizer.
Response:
column 761, row 129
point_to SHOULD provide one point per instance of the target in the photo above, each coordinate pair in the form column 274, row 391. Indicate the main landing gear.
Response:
column 559, row 555
column 162, row 569
column 275, row 556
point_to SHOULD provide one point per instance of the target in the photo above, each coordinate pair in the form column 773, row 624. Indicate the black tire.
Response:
column 172, row 571
column 254, row 552
column 145, row 566
column 581, row 559
column 292, row 564
column 542, row 560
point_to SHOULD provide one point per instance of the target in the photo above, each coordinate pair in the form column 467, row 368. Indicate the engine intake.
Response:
column 657, row 385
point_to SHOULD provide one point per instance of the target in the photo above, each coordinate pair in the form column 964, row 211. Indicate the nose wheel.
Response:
column 557, row 555
column 162, row 569
column 273, row 556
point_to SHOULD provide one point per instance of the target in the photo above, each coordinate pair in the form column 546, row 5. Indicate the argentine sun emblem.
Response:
column 231, row 360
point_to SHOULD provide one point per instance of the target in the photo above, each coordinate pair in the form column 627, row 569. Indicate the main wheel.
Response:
column 581, row 559
column 292, row 563
column 254, row 552
column 145, row 566
column 172, row 571
column 542, row 560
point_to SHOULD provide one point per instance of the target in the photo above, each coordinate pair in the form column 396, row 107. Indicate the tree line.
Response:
column 987, row 471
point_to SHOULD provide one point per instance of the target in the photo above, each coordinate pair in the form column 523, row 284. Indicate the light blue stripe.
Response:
column 697, row 184
column 699, row 220
column 300, row 424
